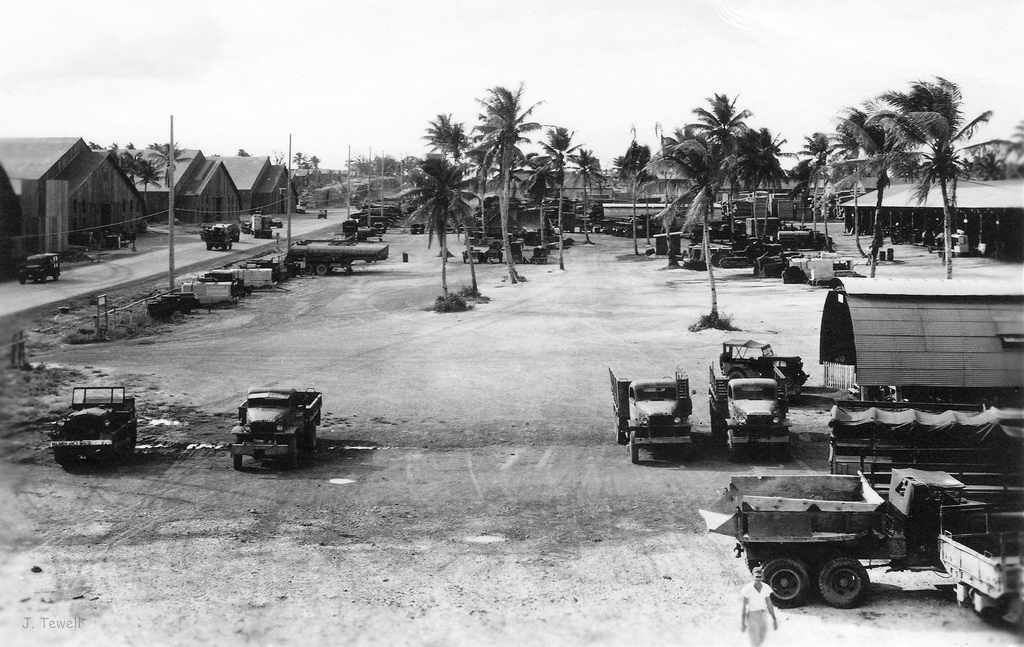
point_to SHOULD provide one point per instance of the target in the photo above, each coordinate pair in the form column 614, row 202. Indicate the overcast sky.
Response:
column 336, row 74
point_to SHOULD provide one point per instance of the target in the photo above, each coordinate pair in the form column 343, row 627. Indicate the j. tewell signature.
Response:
column 44, row 622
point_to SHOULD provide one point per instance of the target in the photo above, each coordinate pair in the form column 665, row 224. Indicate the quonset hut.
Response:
column 925, row 340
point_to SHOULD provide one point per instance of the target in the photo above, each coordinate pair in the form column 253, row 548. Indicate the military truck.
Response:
column 749, row 358
column 811, row 532
column 747, row 413
column 653, row 413
column 276, row 422
column 37, row 267
column 102, row 425
column 323, row 256
column 260, row 225
column 218, row 236
column 165, row 305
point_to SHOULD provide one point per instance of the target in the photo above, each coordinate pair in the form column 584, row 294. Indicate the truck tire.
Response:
column 634, row 452
column 789, row 579
column 321, row 269
column 843, row 583
column 737, row 452
column 784, row 452
column 63, row 456
column 736, row 374
column 236, row 461
column 293, row 452
column 684, row 451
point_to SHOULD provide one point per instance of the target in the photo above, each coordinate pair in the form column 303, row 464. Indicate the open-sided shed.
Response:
column 925, row 340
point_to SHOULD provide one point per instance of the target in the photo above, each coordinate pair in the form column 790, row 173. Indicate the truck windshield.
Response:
column 656, row 393
column 753, row 392
column 268, row 403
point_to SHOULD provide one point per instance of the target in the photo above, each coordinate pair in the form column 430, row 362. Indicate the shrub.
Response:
column 472, row 296
column 716, row 321
column 451, row 302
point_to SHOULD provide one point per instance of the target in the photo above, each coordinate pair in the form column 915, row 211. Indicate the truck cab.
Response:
column 747, row 412
column 749, row 358
column 218, row 235
column 102, row 424
column 276, row 422
column 39, row 266
column 653, row 412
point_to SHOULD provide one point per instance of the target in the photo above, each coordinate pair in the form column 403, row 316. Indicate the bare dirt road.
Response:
column 467, row 489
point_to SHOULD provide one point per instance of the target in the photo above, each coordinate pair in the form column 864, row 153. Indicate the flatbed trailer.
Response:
column 322, row 256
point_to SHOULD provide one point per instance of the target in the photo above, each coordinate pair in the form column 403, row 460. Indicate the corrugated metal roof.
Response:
column 29, row 158
column 937, row 340
column 272, row 180
column 1001, row 194
column 931, row 287
column 80, row 168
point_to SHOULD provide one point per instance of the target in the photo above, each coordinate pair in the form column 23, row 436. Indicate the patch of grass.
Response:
column 472, row 296
column 451, row 302
column 714, row 320
column 121, row 325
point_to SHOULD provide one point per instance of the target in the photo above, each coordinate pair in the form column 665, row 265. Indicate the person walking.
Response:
column 757, row 603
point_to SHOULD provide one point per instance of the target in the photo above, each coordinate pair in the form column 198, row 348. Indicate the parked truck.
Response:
column 218, row 236
column 812, row 532
column 749, row 358
column 102, row 424
column 276, row 422
column 260, row 226
column 37, row 267
column 747, row 413
column 323, row 256
column 653, row 413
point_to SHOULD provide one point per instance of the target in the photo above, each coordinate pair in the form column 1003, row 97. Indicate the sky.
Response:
column 369, row 76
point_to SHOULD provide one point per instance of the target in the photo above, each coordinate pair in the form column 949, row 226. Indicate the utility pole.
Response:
column 288, row 202
column 170, row 208
column 348, row 194
column 382, row 185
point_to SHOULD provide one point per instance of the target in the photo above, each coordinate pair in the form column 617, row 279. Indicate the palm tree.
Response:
column 722, row 123
column 540, row 178
column 440, row 195
column 930, row 115
column 817, row 148
column 300, row 160
column 503, row 123
column 631, row 167
column 588, row 169
column 448, row 137
column 757, row 163
column 867, row 147
column 161, row 153
column 698, row 161
column 558, row 150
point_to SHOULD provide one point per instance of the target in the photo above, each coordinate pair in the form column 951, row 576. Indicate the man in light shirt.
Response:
column 757, row 604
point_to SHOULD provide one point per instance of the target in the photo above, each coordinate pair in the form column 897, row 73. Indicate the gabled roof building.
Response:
column 261, row 185
column 67, row 193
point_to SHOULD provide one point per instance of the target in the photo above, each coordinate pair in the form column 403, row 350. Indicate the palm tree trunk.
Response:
column 856, row 217
column 506, row 164
column 586, row 214
column 707, row 258
column 636, row 249
column 947, row 228
column 444, row 263
column 561, row 261
column 647, row 214
column 472, row 260
column 876, row 226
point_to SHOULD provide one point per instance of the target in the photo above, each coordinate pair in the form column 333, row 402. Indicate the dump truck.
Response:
column 749, row 358
column 102, row 424
column 653, row 413
column 218, row 236
column 276, row 422
column 812, row 532
column 747, row 413
column 322, row 256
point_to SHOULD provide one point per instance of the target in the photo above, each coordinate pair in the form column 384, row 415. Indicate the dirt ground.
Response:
column 466, row 490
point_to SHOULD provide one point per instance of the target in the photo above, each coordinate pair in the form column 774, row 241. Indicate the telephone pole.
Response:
column 170, row 208
column 288, row 202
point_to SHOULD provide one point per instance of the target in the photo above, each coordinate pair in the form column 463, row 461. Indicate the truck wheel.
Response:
column 63, row 457
column 736, row 452
column 843, row 583
column 784, row 451
column 789, row 579
column 634, row 452
column 321, row 269
column 21, row 279
column 209, row 246
column 736, row 374
column 684, row 451
column 236, row 461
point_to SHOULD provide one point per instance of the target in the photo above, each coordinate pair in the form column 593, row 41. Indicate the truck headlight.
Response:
column 775, row 420
column 677, row 420
column 280, row 427
column 742, row 418
column 644, row 421
column 106, row 423
column 60, row 423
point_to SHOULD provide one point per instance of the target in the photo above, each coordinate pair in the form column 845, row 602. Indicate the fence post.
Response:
column 18, row 350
